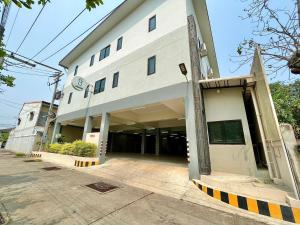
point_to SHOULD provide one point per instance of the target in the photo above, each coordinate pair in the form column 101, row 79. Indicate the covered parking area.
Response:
column 157, row 129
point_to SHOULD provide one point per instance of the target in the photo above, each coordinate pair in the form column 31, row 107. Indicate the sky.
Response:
column 227, row 27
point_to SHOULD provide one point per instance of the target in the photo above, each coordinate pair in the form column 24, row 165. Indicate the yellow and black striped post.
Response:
column 79, row 163
column 273, row 210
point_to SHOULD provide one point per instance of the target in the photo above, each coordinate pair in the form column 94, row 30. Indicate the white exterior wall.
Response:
column 23, row 138
column 169, row 42
column 228, row 104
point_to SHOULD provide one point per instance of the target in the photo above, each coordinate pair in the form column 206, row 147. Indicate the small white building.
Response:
column 139, row 102
column 27, row 135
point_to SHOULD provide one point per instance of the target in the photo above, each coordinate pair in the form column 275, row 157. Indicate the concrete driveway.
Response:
column 31, row 195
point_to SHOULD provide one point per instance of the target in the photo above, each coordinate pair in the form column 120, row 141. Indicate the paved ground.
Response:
column 31, row 195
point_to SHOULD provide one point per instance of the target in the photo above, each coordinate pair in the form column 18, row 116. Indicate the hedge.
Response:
column 77, row 148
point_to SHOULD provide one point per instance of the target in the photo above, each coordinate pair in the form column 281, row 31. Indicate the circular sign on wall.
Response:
column 79, row 84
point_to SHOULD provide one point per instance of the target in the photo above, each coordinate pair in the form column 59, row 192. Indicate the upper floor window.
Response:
column 31, row 116
column 70, row 98
column 76, row 70
column 104, row 52
column 19, row 121
column 92, row 60
column 226, row 132
column 152, row 23
column 120, row 43
column 86, row 92
column 115, row 80
column 99, row 86
column 152, row 65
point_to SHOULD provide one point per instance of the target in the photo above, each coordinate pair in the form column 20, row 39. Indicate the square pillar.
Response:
column 103, row 137
column 56, row 131
column 88, row 126
column 193, row 154
column 143, row 144
column 157, row 142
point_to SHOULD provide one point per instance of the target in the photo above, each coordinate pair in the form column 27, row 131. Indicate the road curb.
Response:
column 34, row 155
column 79, row 163
column 273, row 210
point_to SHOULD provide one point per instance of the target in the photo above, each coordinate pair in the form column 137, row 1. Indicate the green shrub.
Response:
column 67, row 149
column 84, row 149
column 55, row 148
column 20, row 154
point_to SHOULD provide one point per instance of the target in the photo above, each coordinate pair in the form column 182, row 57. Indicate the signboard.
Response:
column 79, row 84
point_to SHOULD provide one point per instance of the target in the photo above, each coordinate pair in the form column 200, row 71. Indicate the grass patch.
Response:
column 20, row 155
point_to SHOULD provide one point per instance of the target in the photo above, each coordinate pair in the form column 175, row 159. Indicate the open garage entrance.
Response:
column 157, row 129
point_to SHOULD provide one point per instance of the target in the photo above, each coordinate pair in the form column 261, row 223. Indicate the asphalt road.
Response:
column 31, row 195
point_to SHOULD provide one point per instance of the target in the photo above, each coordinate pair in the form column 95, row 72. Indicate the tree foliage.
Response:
column 4, row 136
column 276, row 31
column 286, row 99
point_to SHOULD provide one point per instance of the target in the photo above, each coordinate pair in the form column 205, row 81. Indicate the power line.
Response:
column 13, row 25
column 31, row 69
column 30, row 74
column 59, row 50
column 31, row 27
column 69, row 24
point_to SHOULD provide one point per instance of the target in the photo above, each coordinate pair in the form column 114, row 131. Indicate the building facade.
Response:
column 27, row 135
column 138, row 101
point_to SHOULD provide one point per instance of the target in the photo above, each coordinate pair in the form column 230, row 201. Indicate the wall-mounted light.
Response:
column 183, row 69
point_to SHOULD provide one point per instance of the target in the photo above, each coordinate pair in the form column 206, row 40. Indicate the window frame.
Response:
column 92, row 60
column 101, row 87
column 150, row 28
column 115, row 80
column 76, row 70
column 120, row 43
column 31, row 116
column 148, row 66
column 223, row 131
column 105, row 51
column 70, row 98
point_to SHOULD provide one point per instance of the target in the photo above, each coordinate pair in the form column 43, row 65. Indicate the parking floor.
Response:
column 32, row 195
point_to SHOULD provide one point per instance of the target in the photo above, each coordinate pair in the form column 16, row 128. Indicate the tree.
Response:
column 276, row 32
column 286, row 99
column 4, row 136
column 8, row 80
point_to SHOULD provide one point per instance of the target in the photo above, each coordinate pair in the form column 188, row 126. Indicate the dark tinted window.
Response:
column 92, row 60
column 105, row 52
column 76, row 70
column 226, row 132
column 115, row 80
column 152, row 23
column 86, row 92
column 99, row 86
column 120, row 43
column 70, row 98
column 152, row 65
column 31, row 116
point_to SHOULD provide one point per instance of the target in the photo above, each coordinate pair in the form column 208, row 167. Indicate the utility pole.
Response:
column 298, row 3
column 200, row 119
column 4, row 17
column 46, row 128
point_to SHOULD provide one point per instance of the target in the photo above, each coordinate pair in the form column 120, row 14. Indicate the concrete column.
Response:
column 88, row 126
column 157, row 142
column 143, row 145
column 56, row 130
column 193, row 151
column 102, row 145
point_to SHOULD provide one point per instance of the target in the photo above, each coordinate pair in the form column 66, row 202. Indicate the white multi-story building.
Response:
column 27, row 135
column 138, row 100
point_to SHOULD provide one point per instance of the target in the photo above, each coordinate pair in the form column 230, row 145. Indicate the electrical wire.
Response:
column 40, row 12
column 13, row 25
column 46, row 72
column 68, row 25
column 75, row 39
column 29, row 74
